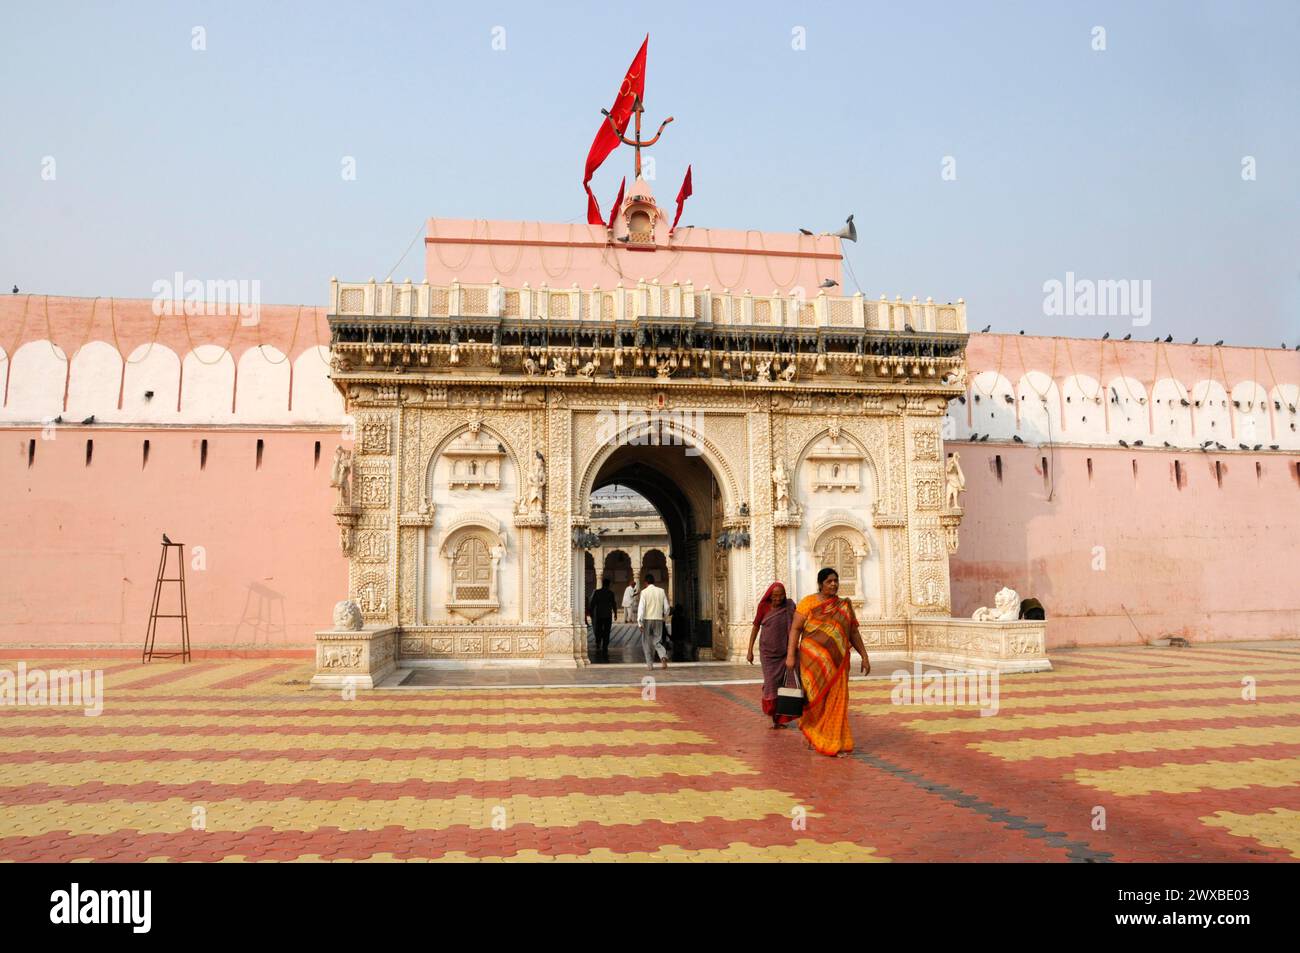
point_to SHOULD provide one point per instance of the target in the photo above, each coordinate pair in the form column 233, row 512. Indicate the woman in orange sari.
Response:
column 823, row 628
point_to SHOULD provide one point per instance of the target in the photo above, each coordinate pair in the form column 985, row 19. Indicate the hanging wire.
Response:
column 405, row 253
column 849, row 265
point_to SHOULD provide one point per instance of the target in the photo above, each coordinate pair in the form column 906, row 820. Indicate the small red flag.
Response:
column 606, row 141
column 618, row 203
column 682, row 195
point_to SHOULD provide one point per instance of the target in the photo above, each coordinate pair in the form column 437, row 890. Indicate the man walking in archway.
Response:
column 651, row 610
column 629, row 600
column 600, row 612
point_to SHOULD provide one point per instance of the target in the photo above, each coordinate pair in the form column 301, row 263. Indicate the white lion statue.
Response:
column 347, row 616
column 1006, row 608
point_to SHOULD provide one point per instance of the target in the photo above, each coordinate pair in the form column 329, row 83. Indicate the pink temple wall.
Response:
column 1212, row 558
column 82, row 542
column 1202, row 560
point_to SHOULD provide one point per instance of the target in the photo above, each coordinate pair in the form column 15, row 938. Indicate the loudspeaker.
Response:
column 849, row 232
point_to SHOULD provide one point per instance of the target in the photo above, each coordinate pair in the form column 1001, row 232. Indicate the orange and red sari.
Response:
column 824, row 671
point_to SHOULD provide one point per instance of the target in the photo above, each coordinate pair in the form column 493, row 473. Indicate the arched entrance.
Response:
column 680, row 488
column 617, row 568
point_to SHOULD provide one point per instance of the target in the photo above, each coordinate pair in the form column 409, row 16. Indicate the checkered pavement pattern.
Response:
column 1117, row 755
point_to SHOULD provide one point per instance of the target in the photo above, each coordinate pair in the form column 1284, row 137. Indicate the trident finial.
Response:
column 636, row 143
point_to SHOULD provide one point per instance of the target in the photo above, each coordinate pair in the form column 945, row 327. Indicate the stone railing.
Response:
column 704, row 306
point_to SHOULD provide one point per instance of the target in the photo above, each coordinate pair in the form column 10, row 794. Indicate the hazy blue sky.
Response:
column 225, row 163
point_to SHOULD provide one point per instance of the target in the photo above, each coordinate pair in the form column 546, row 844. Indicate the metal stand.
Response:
column 155, row 615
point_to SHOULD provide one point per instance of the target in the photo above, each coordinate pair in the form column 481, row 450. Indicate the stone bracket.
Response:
column 346, row 515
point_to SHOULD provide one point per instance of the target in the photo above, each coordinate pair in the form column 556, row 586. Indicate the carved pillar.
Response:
column 421, row 544
column 899, row 557
column 564, row 623
column 373, row 562
column 761, row 529
column 927, row 556
column 403, row 557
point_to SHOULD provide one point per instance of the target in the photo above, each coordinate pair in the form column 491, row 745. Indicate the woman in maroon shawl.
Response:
column 773, row 619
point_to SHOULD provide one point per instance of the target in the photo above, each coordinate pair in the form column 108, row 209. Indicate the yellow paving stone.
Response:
column 1001, row 722
column 1134, row 657
column 300, row 814
column 406, row 702
column 1229, row 694
column 1072, row 746
column 1138, row 678
column 876, row 697
column 363, row 740
column 1278, row 827
column 197, row 675
column 803, row 850
column 286, row 771
column 203, row 680
column 1184, row 778
column 1093, row 663
column 237, row 722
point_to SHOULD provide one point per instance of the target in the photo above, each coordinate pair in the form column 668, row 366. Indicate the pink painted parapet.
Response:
column 82, row 525
column 566, row 255
column 1101, row 392
column 121, row 361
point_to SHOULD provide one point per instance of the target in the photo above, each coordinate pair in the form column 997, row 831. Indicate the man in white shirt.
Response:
column 629, row 600
column 651, row 610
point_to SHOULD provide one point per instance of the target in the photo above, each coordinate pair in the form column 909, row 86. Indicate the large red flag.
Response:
column 613, row 212
column 606, row 141
column 682, row 195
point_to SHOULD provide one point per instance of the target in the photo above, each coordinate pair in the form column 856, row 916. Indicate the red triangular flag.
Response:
column 606, row 141
column 618, row 203
column 682, row 195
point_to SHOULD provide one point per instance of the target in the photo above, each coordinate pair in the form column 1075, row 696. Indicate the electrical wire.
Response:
column 407, row 252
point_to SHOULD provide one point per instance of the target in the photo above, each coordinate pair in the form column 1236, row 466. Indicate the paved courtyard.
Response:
column 1118, row 755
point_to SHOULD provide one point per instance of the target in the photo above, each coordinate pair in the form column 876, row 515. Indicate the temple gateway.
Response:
column 773, row 433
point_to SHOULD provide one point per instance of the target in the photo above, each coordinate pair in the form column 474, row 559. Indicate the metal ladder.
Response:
column 155, row 615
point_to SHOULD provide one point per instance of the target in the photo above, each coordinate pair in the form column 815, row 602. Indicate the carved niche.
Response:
column 474, row 458
column 840, row 541
column 472, row 550
column 836, row 464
